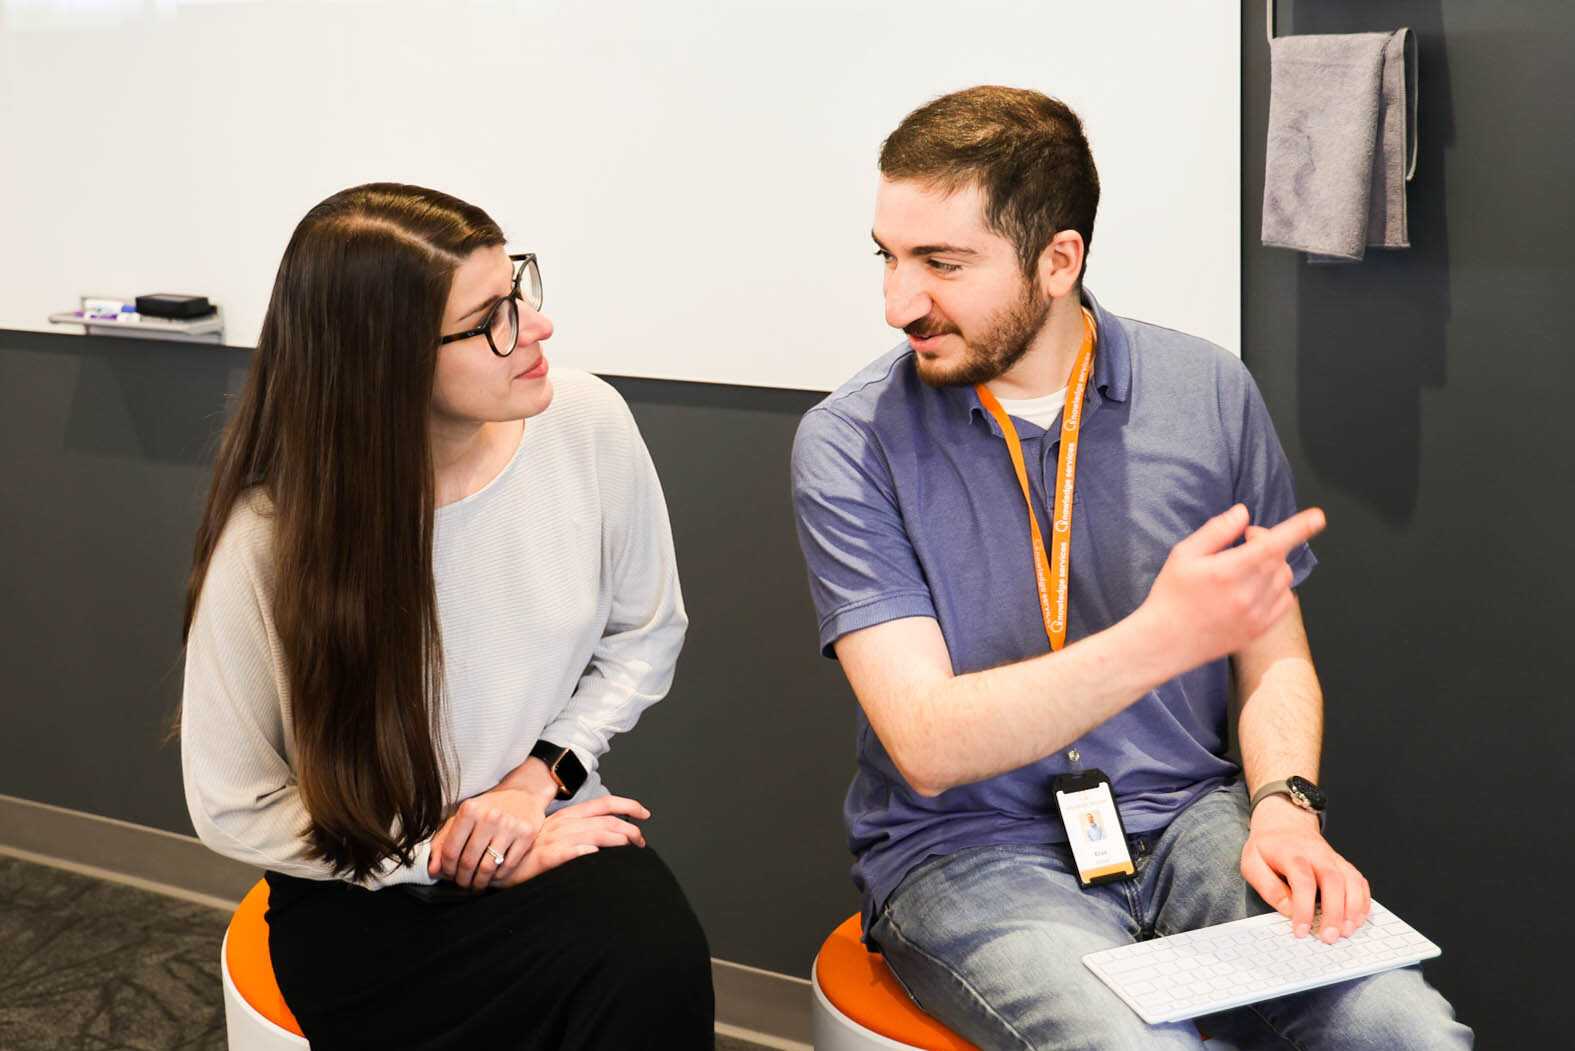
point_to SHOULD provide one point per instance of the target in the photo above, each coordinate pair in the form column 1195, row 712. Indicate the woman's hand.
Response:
column 581, row 829
column 501, row 823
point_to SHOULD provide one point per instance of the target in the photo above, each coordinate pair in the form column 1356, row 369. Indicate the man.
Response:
column 990, row 675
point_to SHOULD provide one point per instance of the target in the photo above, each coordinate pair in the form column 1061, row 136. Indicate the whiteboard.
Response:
column 697, row 176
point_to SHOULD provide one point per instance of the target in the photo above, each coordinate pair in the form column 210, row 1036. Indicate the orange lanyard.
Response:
column 1052, row 573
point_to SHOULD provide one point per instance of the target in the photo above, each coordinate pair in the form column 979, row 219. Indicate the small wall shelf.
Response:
column 208, row 329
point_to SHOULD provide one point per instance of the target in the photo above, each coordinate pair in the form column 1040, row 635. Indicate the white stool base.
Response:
column 247, row 1029
column 834, row 1031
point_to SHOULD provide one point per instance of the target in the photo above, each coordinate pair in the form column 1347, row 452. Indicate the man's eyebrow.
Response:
column 934, row 249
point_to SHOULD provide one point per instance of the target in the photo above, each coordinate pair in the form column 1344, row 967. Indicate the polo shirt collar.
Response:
column 1113, row 362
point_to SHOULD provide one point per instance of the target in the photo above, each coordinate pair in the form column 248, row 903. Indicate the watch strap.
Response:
column 1272, row 788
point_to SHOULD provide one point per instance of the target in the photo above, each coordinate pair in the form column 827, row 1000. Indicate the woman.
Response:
column 430, row 584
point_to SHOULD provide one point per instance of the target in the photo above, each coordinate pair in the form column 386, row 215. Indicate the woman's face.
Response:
column 472, row 384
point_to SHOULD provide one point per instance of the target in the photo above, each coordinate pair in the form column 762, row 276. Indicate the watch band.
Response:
column 1273, row 788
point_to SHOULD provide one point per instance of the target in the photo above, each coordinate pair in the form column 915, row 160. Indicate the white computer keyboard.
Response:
column 1216, row 968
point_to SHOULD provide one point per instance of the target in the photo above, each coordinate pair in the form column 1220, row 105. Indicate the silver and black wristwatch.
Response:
column 1299, row 790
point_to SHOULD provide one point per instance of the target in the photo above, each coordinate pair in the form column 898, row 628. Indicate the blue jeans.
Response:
column 990, row 941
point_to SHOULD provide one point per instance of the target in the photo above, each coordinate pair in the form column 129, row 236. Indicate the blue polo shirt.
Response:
column 907, row 506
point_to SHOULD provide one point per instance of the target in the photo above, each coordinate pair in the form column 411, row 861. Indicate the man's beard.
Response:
column 1007, row 336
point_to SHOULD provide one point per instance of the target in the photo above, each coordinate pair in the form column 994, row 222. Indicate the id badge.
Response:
column 1093, row 827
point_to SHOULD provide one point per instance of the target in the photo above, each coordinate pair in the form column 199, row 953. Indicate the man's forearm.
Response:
column 1280, row 725
column 1050, row 700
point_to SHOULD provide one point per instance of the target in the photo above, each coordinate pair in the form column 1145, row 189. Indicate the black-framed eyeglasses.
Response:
column 501, row 326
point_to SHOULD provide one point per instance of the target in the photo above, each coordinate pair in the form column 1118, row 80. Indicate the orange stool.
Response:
column 859, row 1006
column 255, row 1015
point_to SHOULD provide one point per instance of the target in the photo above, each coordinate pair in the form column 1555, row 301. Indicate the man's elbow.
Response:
column 916, row 747
column 921, row 773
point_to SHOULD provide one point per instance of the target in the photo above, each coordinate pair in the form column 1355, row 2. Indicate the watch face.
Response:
column 563, row 764
column 570, row 772
column 1307, row 793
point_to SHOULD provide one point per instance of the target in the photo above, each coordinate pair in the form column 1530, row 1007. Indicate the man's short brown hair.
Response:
column 1024, row 150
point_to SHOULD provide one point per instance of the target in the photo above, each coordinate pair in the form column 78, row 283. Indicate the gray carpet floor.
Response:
column 90, row 964
column 85, row 963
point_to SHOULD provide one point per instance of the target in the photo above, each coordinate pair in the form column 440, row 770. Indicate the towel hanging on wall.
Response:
column 1342, row 142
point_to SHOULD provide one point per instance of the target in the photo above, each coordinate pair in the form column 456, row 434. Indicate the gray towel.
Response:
column 1342, row 143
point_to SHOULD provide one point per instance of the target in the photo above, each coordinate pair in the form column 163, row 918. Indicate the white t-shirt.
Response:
column 560, row 613
column 1041, row 411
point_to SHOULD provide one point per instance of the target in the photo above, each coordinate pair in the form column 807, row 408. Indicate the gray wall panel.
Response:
column 100, row 479
column 1422, row 397
column 746, row 762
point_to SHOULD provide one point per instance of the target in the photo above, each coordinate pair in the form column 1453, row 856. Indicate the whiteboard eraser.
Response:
column 172, row 305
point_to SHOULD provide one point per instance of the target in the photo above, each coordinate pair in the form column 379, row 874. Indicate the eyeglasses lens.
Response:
column 505, row 331
column 530, row 284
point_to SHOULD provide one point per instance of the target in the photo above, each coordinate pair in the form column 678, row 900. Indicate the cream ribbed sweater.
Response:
column 560, row 613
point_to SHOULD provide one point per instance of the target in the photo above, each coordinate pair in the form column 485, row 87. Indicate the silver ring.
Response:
column 497, row 858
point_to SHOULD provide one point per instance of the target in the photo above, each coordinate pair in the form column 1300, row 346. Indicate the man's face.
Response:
column 953, row 285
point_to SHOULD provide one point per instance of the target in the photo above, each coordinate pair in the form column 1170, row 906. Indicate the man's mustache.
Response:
column 924, row 328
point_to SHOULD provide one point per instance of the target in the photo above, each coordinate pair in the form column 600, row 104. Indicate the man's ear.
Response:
column 1061, row 263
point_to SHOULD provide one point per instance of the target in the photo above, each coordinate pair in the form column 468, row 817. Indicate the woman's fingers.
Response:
column 481, row 834
column 495, row 837
column 575, row 831
column 494, row 859
column 455, row 833
column 612, row 832
column 501, row 851
column 467, row 841
column 435, row 852
column 602, row 805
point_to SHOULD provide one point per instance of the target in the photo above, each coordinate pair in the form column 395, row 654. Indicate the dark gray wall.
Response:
column 746, row 763
column 100, row 479
column 1424, row 398
column 107, row 451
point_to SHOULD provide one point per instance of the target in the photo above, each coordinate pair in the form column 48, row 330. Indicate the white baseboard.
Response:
column 123, row 852
column 763, row 1006
column 752, row 1004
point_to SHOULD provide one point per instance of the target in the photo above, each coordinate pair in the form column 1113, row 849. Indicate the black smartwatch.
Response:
column 1299, row 790
column 564, row 766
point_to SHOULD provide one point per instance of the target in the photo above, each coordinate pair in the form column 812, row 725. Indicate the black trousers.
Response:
column 601, row 952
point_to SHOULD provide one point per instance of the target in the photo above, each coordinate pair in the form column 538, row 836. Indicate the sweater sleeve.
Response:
column 632, row 664
column 236, row 738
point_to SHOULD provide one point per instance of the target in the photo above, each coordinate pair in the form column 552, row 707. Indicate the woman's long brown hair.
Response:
column 333, row 429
